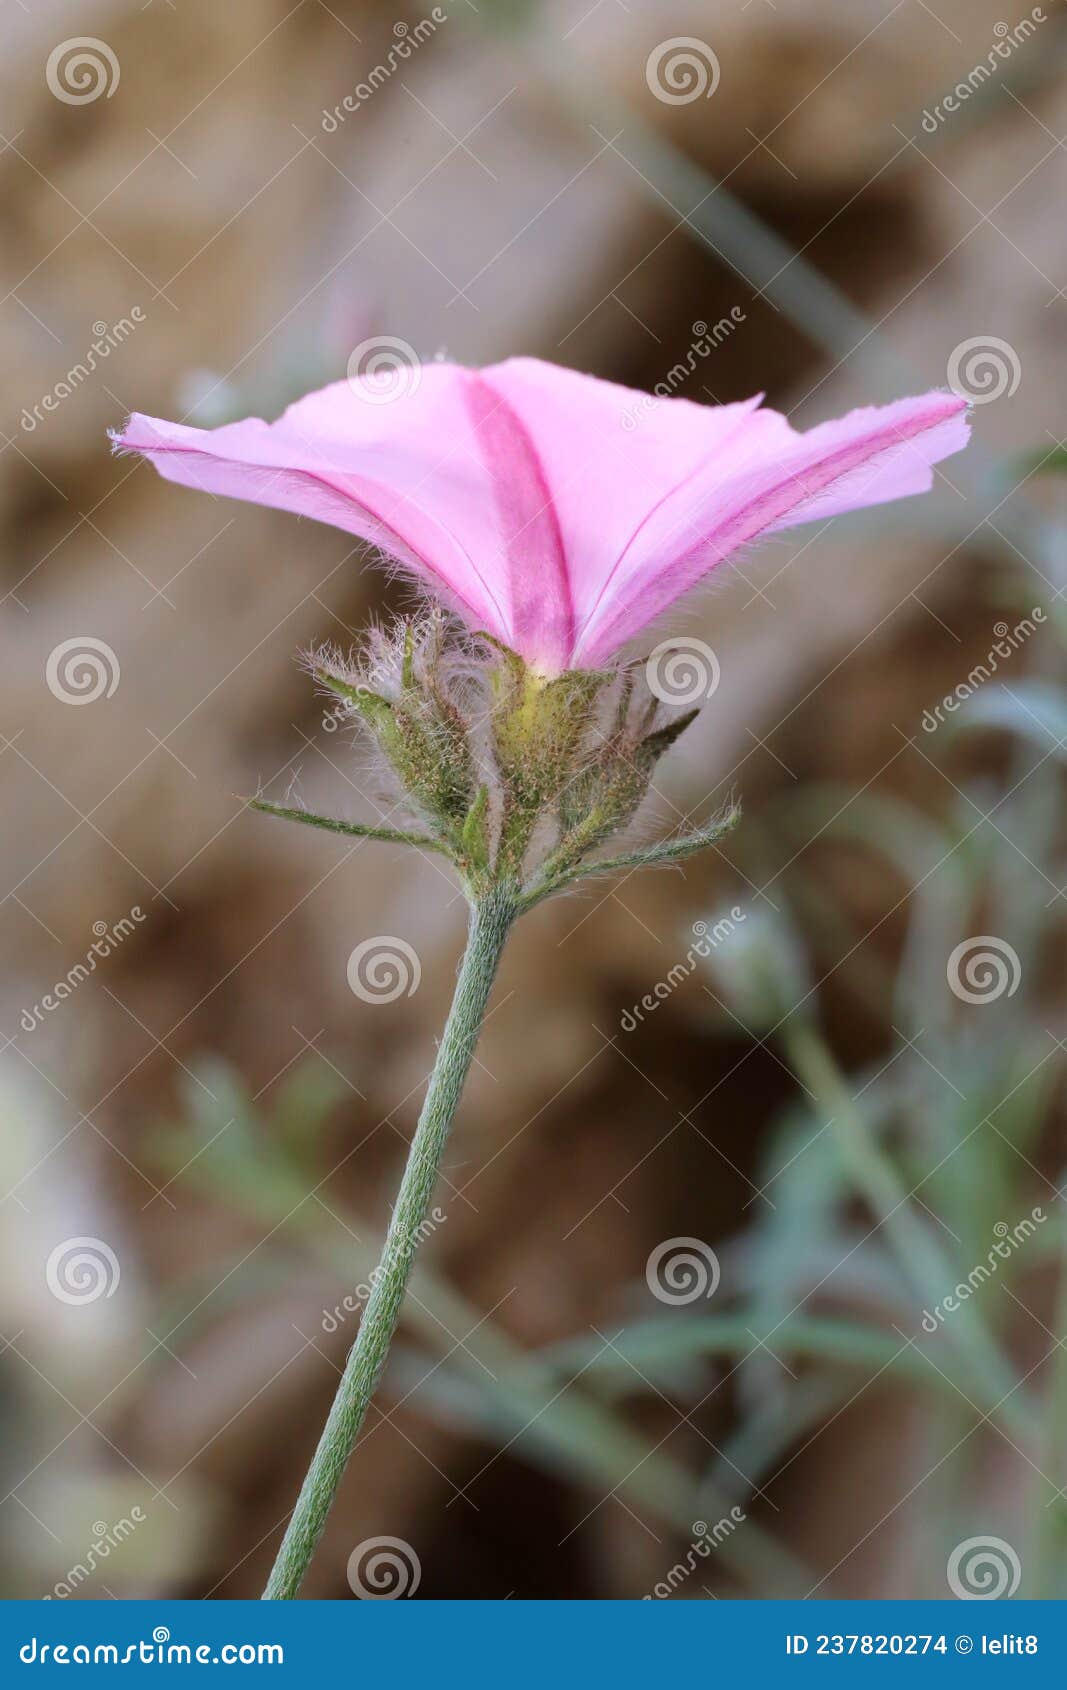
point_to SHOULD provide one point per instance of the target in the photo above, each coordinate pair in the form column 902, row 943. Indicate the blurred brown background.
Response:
column 214, row 1104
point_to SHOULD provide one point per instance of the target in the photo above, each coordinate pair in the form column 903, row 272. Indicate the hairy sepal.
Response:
column 519, row 778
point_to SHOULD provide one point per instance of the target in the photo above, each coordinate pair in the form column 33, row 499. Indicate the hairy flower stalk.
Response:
column 490, row 922
column 516, row 781
column 517, row 740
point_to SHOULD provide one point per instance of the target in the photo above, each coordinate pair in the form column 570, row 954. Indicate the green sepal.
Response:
column 655, row 744
column 407, row 667
column 539, row 726
column 607, row 793
column 647, row 856
column 376, row 711
column 357, row 830
column 474, row 839
column 421, row 735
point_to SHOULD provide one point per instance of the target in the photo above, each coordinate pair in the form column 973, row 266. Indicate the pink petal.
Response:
column 405, row 475
column 611, row 454
column 559, row 512
column 867, row 457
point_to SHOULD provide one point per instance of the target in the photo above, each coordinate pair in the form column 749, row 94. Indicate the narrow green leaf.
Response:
column 387, row 835
column 666, row 851
column 656, row 1345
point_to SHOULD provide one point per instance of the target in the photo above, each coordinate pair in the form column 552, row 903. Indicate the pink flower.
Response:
column 560, row 513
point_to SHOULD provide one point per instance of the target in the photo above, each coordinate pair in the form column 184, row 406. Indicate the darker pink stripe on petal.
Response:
column 535, row 560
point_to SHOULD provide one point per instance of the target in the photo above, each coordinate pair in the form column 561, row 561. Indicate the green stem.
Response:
column 921, row 1258
column 490, row 922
